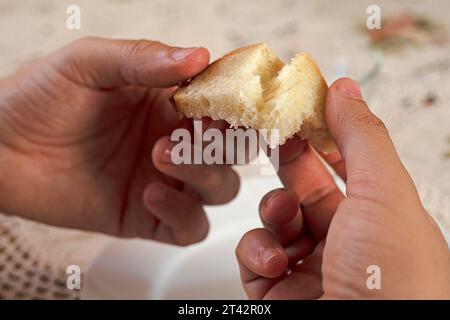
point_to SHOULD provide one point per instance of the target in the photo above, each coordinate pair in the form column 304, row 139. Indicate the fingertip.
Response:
column 341, row 90
column 343, row 100
column 237, row 186
column 200, row 57
column 273, row 261
column 279, row 207
column 262, row 254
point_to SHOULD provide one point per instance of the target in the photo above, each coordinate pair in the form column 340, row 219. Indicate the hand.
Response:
column 84, row 142
column 318, row 243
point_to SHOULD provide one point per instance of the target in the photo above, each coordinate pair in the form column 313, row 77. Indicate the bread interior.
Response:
column 252, row 87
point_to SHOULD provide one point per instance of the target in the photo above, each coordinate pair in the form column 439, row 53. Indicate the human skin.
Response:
column 318, row 244
column 84, row 142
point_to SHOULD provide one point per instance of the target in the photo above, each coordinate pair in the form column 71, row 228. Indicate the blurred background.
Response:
column 404, row 69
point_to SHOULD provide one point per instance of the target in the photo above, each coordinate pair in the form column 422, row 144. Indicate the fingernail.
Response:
column 349, row 89
column 268, row 254
column 181, row 54
column 166, row 155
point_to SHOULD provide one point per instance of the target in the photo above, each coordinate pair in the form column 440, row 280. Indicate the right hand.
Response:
column 380, row 221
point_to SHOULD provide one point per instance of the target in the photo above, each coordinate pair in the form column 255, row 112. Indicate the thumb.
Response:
column 372, row 164
column 106, row 63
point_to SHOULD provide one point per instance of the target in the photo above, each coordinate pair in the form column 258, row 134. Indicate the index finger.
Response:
column 262, row 262
column 305, row 174
column 109, row 63
column 334, row 159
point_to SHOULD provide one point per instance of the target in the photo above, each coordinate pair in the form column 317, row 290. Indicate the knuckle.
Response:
column 184, row 242
column 364, row 179
column 368, row 119
column 183, row 239
column 234, row 187
column 195, row 237
column 202, row 235
column 319, row 195
column 364, row 214
column 137, row 48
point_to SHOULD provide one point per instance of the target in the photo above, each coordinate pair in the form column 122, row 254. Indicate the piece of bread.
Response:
column 251, row 87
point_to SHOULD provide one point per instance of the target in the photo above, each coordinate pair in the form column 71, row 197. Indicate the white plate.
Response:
column 137, row 269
